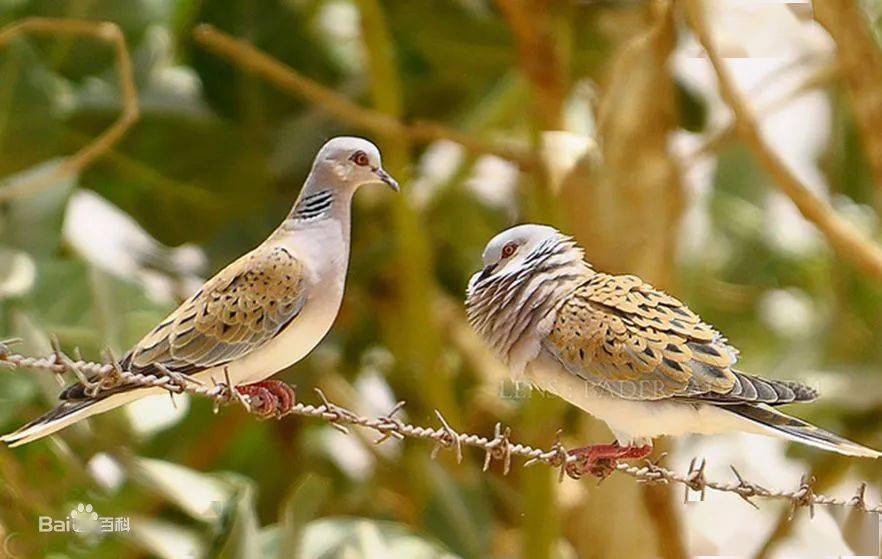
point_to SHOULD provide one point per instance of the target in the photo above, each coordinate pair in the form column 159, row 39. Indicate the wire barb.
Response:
column 450, row 438
column 561, row 459
column 499, row 449
column 389, row 425
column 695, row 480
column 746, row 489
column 805, row 495
column 653, row 472
column 336, row 415
column 858, row 500
column 4, row 346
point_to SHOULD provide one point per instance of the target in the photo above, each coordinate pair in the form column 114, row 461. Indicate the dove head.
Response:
column 514, row 248
column 348, row 163
column 526, row 267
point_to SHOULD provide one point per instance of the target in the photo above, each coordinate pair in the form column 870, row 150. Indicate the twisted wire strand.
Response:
column 499, row 447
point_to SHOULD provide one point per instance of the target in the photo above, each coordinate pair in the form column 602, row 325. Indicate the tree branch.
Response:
column 245, row 55
column 532, row 26
column 861, row 69
column 849, row 242
column 821, row 77
column 102, row 31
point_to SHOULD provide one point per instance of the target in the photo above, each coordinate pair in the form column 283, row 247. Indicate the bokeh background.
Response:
column 601, row 117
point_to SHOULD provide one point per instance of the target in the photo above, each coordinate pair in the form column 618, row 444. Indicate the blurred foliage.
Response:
column 217, row 158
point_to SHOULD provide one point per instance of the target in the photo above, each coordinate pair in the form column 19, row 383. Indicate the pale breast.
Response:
column 324, row 252
column 632, row 421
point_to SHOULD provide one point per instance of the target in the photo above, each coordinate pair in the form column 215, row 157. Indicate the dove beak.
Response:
column 486, row 272
column 383, row 176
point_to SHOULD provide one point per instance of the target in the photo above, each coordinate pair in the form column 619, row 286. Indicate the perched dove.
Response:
column 623, row 351
column 260, row 314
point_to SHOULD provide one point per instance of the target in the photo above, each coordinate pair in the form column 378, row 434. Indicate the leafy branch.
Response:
column 100, row 30
column 846, row 239
column 245, row 55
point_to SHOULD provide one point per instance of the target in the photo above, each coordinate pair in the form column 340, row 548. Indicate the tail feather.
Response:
column 750, row 389
column 66, row 413
column 792, row 428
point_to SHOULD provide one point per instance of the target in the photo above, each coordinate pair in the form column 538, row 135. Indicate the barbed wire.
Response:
column 105, row 376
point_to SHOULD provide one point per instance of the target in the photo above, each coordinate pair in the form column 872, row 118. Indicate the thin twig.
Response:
column 861, row 62
column 103, row 31
column 821, row 77
column 844, row 237
column 245, row 55
column 531, row 24
column 497, row 447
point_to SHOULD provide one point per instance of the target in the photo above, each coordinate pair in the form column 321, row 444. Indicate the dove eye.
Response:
column 509, row 249
column 360, row 158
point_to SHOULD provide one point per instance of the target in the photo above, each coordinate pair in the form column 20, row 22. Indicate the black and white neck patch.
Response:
column 314, row 206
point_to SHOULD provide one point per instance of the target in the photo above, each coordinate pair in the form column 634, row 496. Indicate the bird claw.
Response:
column 260, row 400
column 269, row 398
column 601, row 460
column 601, row 468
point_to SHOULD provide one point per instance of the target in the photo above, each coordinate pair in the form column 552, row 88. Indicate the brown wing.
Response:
column 640, row 343
column 237, row 311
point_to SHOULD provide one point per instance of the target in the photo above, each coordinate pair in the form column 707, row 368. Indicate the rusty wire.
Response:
column 499, row 447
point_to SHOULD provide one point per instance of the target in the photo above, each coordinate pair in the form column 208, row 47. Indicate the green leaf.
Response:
column 300, row 508
column 239, row 533
column 87, row 308
column 367, row 539
column 458, row 514
column 166, row 540
column 202, row 496
column 35, row 341
column 15, row 391
column 34, row 219
column 282, row 30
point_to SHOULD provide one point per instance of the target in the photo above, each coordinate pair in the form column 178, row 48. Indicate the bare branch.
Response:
column 861, row 62
column 103, row 31
column 498, row 447
column 844, row 237
column 245, row 55
column 820, row 77
column 531, row 25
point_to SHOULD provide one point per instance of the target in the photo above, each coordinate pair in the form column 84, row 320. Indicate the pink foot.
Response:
column 269, row 397
column 600, row 460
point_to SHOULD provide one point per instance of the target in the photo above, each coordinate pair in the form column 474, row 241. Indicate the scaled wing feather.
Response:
column 237, row 311
column 638, row 342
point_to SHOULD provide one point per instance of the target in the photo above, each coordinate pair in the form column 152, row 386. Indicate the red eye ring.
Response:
column 360, row 158
column 509, row 249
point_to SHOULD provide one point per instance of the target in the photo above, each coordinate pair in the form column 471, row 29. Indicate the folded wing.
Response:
column 239, row 310
column 640, row 343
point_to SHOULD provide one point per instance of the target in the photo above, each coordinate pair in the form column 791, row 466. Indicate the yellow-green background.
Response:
column 219, row 165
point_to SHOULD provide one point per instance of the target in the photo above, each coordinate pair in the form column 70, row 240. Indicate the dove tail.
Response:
column 794, row 429
column 66, row 413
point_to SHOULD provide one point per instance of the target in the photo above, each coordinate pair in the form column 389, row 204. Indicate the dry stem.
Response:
column 102, row 31
column 245, row 55
column 843, row 236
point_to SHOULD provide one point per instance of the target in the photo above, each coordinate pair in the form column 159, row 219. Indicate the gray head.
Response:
column 526, row 271
column 509, row 249
column 350, row 161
